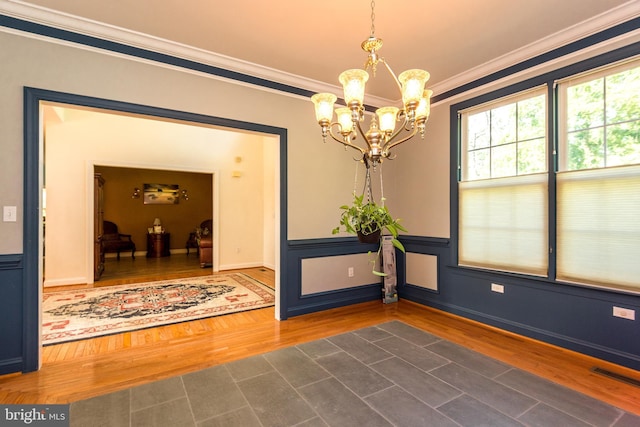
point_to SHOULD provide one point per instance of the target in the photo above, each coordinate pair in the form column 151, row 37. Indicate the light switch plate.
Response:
column 9, row 213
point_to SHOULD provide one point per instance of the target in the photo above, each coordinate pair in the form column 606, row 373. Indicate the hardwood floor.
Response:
column 143, row 269
column 82, row 369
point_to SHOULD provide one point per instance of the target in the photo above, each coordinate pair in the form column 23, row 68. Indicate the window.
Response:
column 600, row 118
column 503, row 191
column 505, row 201
column 598, row 201
column 505, row 138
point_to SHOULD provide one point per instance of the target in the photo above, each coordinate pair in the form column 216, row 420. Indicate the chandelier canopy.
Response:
column 383, row 133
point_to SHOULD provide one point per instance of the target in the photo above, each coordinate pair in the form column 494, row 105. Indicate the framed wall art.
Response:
column 161, row 194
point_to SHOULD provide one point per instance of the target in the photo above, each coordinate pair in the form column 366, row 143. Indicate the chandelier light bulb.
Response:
column 324, row 107
column 387, row 116
column 413, row 83
column 345, row 120
column 353, row 82
column 423, row 110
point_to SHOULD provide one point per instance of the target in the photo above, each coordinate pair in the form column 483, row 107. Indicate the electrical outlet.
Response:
column 350, row 272
column 497, row 288
column 624, row 313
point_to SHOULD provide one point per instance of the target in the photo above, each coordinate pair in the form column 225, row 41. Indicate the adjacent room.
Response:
column 151, row 221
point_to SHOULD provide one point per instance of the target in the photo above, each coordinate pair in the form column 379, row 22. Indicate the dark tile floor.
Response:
column 392, row 374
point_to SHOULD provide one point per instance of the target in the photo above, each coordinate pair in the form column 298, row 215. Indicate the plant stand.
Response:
column 390, row 280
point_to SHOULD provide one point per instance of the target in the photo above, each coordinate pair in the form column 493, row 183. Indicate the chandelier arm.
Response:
column 342, row 141
column 413, row 133
column 332, row 135
column 355, row 147
column 409, row 125
column 364, row 137
column 389, row 143
column 388, row 67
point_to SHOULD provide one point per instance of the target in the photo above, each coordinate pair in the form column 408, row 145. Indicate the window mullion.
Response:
column 553, row 100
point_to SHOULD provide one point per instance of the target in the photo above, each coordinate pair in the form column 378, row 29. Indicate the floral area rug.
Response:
column 87, row 313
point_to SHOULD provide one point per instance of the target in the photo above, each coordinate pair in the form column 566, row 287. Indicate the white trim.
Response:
column 84, row 26
column 596, row 49
column 256, row 264
column 67, row 281
column 49, row 17
column 569, row 35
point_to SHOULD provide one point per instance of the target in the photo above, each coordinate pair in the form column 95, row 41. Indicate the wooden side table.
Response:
column 158, row 245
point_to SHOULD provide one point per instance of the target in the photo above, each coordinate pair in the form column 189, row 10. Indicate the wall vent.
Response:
column 616, row 376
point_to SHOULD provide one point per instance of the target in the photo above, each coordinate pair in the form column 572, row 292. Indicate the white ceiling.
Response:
column 316, row 40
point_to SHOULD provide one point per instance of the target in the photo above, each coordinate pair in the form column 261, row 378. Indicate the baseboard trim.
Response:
column 67, row 281
column 237, row 266
column 529, row 332
column 10, row 366
column 335, row 299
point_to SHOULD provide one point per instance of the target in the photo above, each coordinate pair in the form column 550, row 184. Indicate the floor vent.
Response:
column 615, row 376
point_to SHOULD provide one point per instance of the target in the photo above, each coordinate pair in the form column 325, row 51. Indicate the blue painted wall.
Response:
column 11, row 324
column 573, row 317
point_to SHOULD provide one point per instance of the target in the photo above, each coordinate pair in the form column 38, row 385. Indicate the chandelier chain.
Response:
column 373, row 18
column 381, row 188
column 367, row 186
column 355, row 179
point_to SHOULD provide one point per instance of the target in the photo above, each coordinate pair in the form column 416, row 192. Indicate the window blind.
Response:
column 598, row 227
column 503, row 224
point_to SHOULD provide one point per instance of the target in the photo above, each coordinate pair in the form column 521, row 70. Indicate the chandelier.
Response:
column 383, row 133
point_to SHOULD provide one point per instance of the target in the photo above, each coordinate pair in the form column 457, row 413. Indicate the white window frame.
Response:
column 562, row 100
column 512, row 99
column 597, row 227
column 498, row 239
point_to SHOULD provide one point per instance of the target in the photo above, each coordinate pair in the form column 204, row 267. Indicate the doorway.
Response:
column 123, row 206
column 35, row 99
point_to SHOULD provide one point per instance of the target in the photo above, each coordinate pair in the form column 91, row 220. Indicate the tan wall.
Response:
column 77, row 141
column 320, row 176
column 134, row 217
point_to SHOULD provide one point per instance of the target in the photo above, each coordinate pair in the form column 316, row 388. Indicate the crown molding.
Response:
column 613, row 17
column 52, row 18
column 41, row 15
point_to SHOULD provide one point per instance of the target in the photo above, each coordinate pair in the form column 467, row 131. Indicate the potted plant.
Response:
column 367, row 220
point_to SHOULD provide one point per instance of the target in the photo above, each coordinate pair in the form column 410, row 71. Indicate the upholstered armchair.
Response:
column 206, row 251
column 114, row 241
column 202, row 240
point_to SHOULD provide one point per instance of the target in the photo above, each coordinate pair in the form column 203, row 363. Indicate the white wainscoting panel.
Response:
column 332, row 273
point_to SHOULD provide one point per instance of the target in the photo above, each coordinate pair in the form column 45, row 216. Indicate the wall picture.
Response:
column 161, row 194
